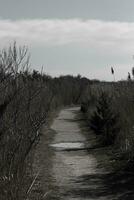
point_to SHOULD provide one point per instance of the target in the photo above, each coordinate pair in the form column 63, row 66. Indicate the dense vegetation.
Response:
column 109, row 110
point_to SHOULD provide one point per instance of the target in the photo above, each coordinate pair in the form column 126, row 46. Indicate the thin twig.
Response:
column 46, row 194
column 31, row 186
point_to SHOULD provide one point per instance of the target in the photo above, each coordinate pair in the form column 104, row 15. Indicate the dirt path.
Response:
column 69, row 169
column 71, row 161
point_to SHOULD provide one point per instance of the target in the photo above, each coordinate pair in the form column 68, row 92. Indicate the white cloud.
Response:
column 95, row 33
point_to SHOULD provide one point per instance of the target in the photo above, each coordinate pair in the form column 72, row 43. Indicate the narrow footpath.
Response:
column 70, row 167
column 72, row 163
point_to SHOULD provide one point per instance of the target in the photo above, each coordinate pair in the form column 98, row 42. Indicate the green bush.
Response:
column 104, row 121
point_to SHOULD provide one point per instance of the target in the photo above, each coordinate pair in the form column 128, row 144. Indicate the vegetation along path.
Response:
column 74, row 167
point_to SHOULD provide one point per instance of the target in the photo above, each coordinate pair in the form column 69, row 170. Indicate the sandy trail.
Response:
column 70, row 160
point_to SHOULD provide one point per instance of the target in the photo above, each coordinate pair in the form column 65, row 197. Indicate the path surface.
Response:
column 71, row 168
column 71, row 161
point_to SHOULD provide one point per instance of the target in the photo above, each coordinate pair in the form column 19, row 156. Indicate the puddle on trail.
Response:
column 68, row 145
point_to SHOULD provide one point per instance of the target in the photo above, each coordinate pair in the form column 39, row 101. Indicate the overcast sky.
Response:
column 84, row 37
